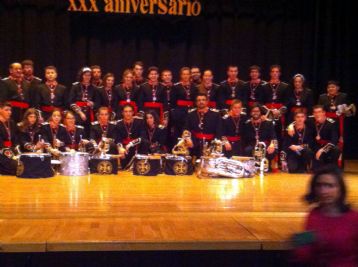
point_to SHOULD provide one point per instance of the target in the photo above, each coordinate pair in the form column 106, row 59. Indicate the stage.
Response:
column 133, row 213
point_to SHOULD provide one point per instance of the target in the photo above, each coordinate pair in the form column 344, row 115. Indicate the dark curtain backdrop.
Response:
column 316, row 38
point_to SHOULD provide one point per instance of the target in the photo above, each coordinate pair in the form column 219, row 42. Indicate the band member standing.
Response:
column 53, row 132
column 104, row 128
column 195, row 76
column 326, row 138
column 8, row 141
column 75, row 133
column 127, row 93
column 232, row 88
column 167, row 81
column 258, row 130
column 128, row 132
column 204, row 124
column 84, row 98
column 209, row 88
column 232, row 129
column 29, row 137
column 109, row 98
column 296, row 151
column 51, row 95
column 96, row 75
column 153, row 136
column 16, row 91
column 138, row 70
column 182, row 99
column 28, row 72
column 299, row 97
column 254, row 87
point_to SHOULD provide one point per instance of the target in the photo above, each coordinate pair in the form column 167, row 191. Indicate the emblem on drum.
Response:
column 142, row 167
column 20, row 168
column 104, row 167
column 180, row 168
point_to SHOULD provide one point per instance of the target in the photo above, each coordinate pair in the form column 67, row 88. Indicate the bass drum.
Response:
column 74, row 164
column 34, row 165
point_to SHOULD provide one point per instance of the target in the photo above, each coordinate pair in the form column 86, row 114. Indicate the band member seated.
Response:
column 104, row 128
column 29, row 137
column 107, row 94
column 299, row 97
column 8, row 141
column 50, row 95
column 254, row 87
column 326, row 138
column 182, row 99
column 138, row 70
column 84, row 98
column 232, row 129
column 128, row 132
column 297, row 153
column 204, row 124
column 127, row 92
column 153, row 95
column 258, row 130
column 96, row 75
column 75, row 133
column 154, row 135
column 209, row 88
column 54, row 133
column 16, row 91
column 232, row 88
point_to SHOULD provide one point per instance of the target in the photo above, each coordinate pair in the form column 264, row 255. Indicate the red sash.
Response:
column 282, row 118
column 132, row 103
column 233, row 138
column 7, row 144
column 229, row 102
column 50, row 108
column 19, row 104
column 251, row 104
column 127, row 140
column 185, row 103
column 294, row 109
column 208, row 137
column 212, row 104
column 322, row 142
column 156, row 105
column 84, row 104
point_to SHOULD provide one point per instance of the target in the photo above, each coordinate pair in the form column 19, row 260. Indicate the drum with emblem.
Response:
column 34, row 165
column 147, row 165
column 104, row 164
column 178, row 165
column 74, row 163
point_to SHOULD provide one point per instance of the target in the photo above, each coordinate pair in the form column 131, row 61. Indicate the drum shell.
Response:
column 74, row 164
column 104, row 165
column 35, row 166
column 147, row 165
column 178, row 165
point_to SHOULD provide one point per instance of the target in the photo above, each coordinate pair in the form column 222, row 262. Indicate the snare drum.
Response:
column 178, row 165
column 147, row 165
column 106, row 164
column 34, row 165
column 74, row 164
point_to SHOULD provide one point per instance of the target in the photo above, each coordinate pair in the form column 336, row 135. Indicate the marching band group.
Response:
column 147, row 115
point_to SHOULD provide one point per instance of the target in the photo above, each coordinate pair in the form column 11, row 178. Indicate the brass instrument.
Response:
column 181, row 148
column 259, row 155
column 272, row 116
column 346, row 111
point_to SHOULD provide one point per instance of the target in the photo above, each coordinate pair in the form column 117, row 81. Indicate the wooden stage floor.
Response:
column 126, row 212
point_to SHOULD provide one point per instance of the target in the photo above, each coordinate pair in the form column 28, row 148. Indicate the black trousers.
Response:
column 331, row 157
column 298, row 163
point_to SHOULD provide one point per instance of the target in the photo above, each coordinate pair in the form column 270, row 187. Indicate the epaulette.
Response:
column 248, row 121
column 80, row 126
column 75, row 83
column 19, row 124
column 243, row 113
column 311, row 116
column 284, row 83
column 264, row 82
column 38, row 78
column 215, row 84
column 113, row 122
column 136, row 117
column 177, row 83
column 119, row 121
column 226, row 116
column 45, row 123
column 222, row 82
column 145, row 83
column 214, row 109
column 330, row 120
column 192, row 110
column 160, row 126
column 62, row 125
column 94, row 123
column 5, row 79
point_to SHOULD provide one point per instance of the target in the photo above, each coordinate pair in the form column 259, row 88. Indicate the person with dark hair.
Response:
column 254, row 87
column 28, row 72
column 16, row 91
column 84, row 98
column 138, row 70
column 75, row 133
column 107, row 94
column 195, row 75
column 331, row 230
column 51, row 95
column 182, row 99
column 297, row 155
column 104, row 128
column 232, row 88
column 29, row 136
column 166, row 78
column 153, row 95
column 96, row 75
column 154, row 135
column 211, row 89
column 204, row 124
column 127, row 92
column 258, row 130
column 128, row 133
column 232, row 129
column 333, row 98
column 299, row 97
column 8, row 140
